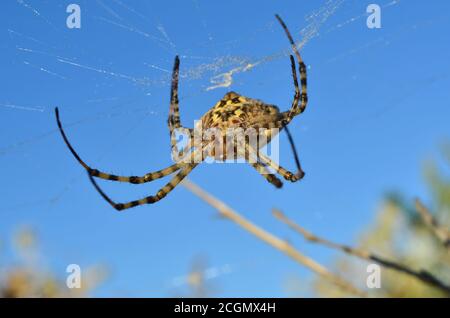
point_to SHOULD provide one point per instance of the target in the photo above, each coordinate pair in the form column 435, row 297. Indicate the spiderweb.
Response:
column 65, row 61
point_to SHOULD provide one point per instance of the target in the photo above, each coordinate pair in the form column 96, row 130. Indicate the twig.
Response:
column 271, row 239
column 441, row 233
column 422, row 275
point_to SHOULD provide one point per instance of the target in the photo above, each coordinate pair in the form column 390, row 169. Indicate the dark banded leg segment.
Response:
column 253, row 160
column 150, row 199
column 262, row 170
column 286, row 174
column 174, row 112
column 137, row 179
column 301, row 97
column 102, row 175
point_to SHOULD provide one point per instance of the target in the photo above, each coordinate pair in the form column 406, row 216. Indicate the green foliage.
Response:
column 398, row 233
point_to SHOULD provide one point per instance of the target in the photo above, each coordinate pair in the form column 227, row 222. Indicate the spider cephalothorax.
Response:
column 232, row 112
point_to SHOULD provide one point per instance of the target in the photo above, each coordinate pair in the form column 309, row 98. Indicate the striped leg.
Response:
column 179, row 154
column 174, row 110
column 280, row 170
column 300, row 98
column 262, row 169
column 150, row 199
column 99, row 174
column 286, row 174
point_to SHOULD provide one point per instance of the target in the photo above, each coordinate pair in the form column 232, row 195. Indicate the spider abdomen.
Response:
column 236, row 122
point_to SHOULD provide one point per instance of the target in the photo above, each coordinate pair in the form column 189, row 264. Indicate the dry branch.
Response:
column 422, row 275
column 440, row 232
column 271, row 239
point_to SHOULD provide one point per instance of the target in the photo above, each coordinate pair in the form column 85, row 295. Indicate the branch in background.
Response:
column 440, row 232
column 422, row 275
column 271, row 239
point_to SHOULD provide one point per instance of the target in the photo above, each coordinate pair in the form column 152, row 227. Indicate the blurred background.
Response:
column 373, row 138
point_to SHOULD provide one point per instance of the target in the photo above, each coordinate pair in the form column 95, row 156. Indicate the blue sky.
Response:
column 379, row 106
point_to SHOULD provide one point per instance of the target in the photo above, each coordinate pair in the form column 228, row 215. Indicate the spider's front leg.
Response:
column 103, row 175
column 300, row 96
column 149, row 199
column 174, row 114
column 186, row 168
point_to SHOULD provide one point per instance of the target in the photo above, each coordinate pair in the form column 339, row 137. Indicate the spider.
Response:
column 232, row 111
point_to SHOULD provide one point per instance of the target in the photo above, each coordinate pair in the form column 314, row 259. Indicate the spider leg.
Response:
column 251, row 158
column 102, row 175
column 180, row 155
column 262, row 170
column 300, row 98
column 174, row 110
column 286, row 174
column 300, row 171
column 149, row 199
